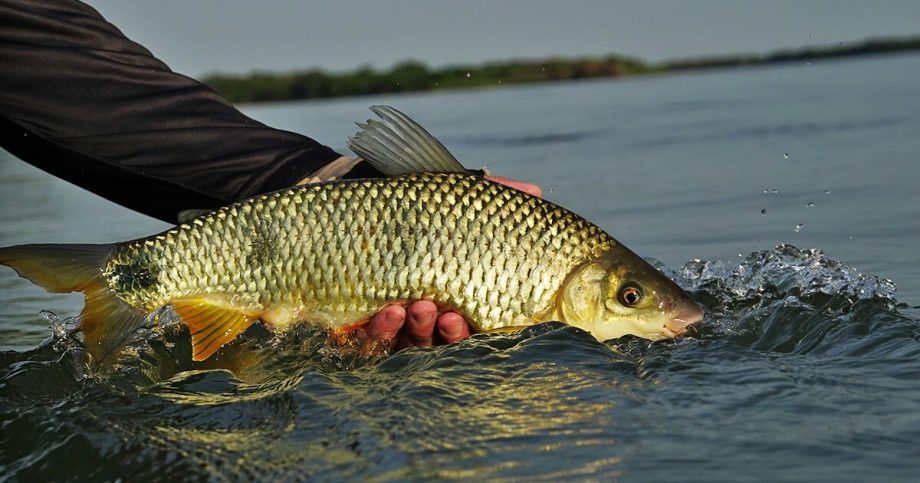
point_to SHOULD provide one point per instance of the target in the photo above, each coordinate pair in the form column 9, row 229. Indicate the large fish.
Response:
column 336, row 252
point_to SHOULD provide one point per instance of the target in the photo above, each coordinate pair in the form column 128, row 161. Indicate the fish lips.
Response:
column 679, row 325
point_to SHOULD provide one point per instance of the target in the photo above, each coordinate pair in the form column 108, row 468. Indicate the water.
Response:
column 806, row 367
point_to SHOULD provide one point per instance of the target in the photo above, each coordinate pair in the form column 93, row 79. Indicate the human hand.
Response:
column 528, row 188
column 419, row 324
column 344, row 164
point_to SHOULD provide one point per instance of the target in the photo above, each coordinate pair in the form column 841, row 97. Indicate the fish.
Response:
column 333, row 253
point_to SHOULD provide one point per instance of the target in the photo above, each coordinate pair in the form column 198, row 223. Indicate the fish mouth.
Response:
column 679, row 325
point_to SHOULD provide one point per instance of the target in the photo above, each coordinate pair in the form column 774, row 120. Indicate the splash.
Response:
column 785, row 271
column 800, row 301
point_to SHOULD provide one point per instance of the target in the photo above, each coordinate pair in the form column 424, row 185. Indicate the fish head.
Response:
column 619, row 293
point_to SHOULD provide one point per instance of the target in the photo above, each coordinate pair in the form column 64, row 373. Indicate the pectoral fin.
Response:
column 211, row 324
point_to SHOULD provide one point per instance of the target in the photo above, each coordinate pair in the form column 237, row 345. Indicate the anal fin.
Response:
column 211, row 324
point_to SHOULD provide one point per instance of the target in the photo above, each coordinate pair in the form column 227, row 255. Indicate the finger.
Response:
column 420, row 321
column 528, row 188
column 452, row 327
column 333, row 170
column 386, row 323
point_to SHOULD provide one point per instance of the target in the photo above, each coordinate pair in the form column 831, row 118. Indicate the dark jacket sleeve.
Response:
column 81, row 101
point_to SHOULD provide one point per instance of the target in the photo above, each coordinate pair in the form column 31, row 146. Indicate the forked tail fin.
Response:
column 106, row 320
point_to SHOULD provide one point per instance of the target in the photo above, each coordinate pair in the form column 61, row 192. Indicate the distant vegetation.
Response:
column 411, row 76
column 414, row 76
column 867, row 47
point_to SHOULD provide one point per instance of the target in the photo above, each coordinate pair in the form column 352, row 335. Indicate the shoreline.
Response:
column 412, row 76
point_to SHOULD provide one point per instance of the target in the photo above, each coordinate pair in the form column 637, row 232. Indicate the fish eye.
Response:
column 630, row 296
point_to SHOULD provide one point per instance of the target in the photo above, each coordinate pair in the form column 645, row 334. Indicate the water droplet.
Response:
column 827, row 192
column 468, row 75
column 808, row 63
column 499, row 81
column 810, row 204
column 543, row 69
column 785, row 155
column 763, row 211
column 799, row 227
column 774, row 191
column 765, row 191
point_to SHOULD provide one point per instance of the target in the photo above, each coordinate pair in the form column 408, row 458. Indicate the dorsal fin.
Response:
column 398, row 145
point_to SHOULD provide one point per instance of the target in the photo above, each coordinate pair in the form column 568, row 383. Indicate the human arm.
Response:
column 83, row 102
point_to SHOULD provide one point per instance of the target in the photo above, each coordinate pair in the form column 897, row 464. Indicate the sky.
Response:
column 196, row 37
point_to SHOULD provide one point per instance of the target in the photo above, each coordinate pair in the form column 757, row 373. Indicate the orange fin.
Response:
column 107, row 320
column 58, row 268
column 211, row 325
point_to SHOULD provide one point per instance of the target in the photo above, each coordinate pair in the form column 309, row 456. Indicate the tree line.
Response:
column 411, row 76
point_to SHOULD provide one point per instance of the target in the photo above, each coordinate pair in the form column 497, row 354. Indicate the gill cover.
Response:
column 581, row 300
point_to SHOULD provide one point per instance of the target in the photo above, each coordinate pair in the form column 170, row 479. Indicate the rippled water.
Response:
column 793, row 340
column 805, row 368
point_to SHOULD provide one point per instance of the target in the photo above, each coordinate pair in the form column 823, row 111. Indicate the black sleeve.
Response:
column 81, row 101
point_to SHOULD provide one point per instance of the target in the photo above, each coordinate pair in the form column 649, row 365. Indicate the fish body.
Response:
column 339, row 251
column 334, row 253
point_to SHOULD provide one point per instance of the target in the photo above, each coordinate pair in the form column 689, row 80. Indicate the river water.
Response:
column 784, row 198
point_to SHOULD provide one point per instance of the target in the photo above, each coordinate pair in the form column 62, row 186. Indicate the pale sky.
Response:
column 200, row 36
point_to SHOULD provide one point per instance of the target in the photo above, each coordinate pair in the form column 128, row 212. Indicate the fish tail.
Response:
column 106, row 320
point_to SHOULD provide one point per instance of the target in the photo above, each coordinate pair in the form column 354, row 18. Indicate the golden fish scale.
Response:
column 350, row 247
